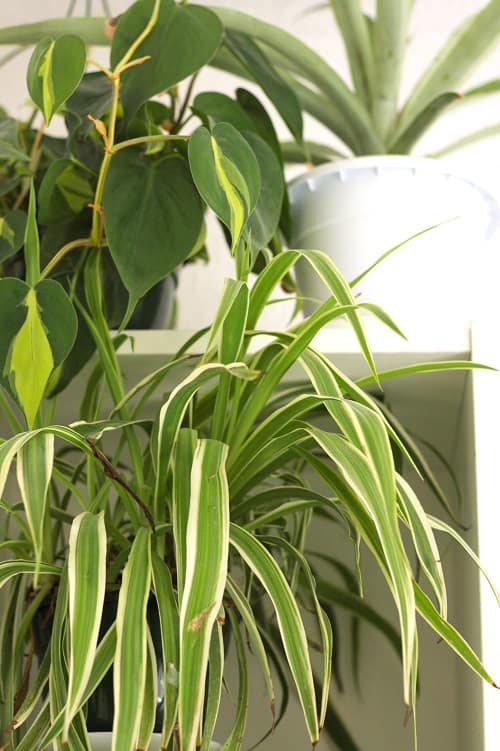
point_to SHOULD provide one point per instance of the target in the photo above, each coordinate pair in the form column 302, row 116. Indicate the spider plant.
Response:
column 200, row 504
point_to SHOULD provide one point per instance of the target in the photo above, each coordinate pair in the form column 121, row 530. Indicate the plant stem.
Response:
column 147, row 139
column 81, row 243
column 145, row 33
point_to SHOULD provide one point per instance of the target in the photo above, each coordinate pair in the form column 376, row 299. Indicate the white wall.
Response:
column 432, row 20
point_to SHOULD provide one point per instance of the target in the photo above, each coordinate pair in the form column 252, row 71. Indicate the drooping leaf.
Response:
column 183, row 39
column 207, row 549
column 227, row 175
column 55, row 69
column 290, row 624
column 152, row 215
column 12, row 228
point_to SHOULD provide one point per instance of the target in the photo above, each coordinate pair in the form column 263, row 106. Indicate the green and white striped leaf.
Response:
column 55, row 69
column 174, row 409
column 87, row 584
column 34, row 471
column 148, row 718
column 169, row 624
column 227, row 175
column 9, row 569
column 215, row 676
column 423, row 541
column 207, row 550
column 234, row 741
column 129, row 672
column 449, row 634
column 248, row 618
column 370, row 475
column 290, row 624
column 441, row 526
column 181, row 494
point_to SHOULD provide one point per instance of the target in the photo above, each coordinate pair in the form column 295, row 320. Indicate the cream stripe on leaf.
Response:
column 207, row 547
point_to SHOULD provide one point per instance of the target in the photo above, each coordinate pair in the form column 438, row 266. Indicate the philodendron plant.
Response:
column 125, row 176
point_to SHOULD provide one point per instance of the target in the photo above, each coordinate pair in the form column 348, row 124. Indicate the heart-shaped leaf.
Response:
column 12, row 228
column 183, row 40
column 93, row 96
column 214, row 108
column 266, row 215
column 227, row 175
column 38, row 327
column 55, row 69
column 153, row 217
column 9, row 142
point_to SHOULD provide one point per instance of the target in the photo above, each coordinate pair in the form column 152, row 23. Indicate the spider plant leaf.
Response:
column 87, row 583
column 174, row 409
column 424, row 541
column 359, row 607
column 207, row 547
column 148, row 718
column 449, row 634
column 37, row 730
column 35, row 461
column 422, row 367
column 325, row 628
column 313, row 152
column 9, row 569
column 129, row 671
column 104, row 657
column 422, row 121
column 233, row 743
column 181, row 493
column 280, row 512
column 355, row 32
column 37, row 688
column 453, row 63
column 389, row 32
column 55, row 69
column 169, row 624
column 244, row 608
column 267, row 77
column 227, row 175
column 214, row 690
column 290, row 624
column 369, row 471
column 441, row 526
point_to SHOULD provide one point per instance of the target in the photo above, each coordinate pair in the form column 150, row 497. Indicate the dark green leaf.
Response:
column 64, row 191
column 92, row 97
column 183, row 40
column 265, row 218
column 12, row 228
column 55, row 69
column 153, row 218
column 218, row 108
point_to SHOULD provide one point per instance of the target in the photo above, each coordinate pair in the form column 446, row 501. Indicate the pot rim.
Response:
column 381, row 162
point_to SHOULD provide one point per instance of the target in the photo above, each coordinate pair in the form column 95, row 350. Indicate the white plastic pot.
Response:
column 357, row 209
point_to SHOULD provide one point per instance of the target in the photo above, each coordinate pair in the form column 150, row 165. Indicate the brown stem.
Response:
column 184, row 105
column 114, row 475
